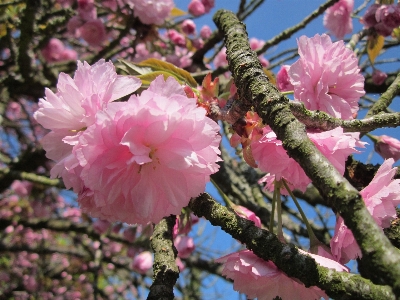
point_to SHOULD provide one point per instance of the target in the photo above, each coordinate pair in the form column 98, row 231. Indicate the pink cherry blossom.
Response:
column 93, row 32
column 129, row 234
column 381, row 198
column 327, row 77
column 388, row 147
column 269, row 180
column 337, row 18
column 22, row 188
column 160, row 143
column 196, row 8
column 68, row 54
column 208, row 5
column 388, row 18
column 272, row 158
column 378, row 77
column 255, row 43
column 326, row 262
column 52, row 51
column 369, row 19
column 73, row 25
column 181, row 58
column 344, row 246
column 247, row 214
column 184, row 245
column 101, row 226
column 205, row 32
column 261, row 279
column 183, row 224
column 180, row 264
column 30, row 283
column 72, row 109
column 142, row 262
column 56, row 51
column 152, row 12
column 188, row 27
column 198, row 43
column 176, row 38
column 87, row 10
column 14, row 111
column 220, row 59
column 283, row 80
column 382, row 195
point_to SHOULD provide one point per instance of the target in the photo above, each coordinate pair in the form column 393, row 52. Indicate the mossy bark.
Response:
column 166, row 271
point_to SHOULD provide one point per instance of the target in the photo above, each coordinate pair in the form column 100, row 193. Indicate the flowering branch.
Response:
column 255, row 91
column 267, row 246
column 166, row 271
column 323, row 121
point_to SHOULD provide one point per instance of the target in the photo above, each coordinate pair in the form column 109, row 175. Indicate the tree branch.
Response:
column 166, row 271
column 323, row 121
column 268, row 247
column 255, row 91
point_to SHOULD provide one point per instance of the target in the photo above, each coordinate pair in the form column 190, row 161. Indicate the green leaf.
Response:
column 149, row 77
column 132, row 68
column 158, row 65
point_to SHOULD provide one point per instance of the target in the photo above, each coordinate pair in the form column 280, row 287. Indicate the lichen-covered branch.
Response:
column 386, row 98
column 323, row 121
column 355, row 38
column 166, row 271
column 267, row 246
column 255, row 91
column 32, row 177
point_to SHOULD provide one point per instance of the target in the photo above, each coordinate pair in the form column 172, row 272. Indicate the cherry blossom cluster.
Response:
column 382, row 18
column 87, row 25
column 160, row 144
column 116, row 243
column 326, row 78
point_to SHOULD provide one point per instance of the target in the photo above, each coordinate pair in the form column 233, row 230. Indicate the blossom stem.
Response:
column 227, row 201
column 311, row 234
column 278, row 200
column 271, row 220
column 372, row 137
